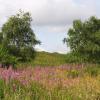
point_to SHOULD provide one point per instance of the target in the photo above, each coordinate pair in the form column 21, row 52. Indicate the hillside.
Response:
column 46, row 59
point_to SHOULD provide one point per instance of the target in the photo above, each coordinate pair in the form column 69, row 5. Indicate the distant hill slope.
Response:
column 46, row 59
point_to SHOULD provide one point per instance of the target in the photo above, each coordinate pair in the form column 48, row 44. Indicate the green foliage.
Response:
column 27, row 54
column 18, row 37
column 74, row 57
column 84, row 38
column 6, row 58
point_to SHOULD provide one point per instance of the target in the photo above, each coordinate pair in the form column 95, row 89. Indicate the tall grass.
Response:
column 50, row 83
column 44, row 59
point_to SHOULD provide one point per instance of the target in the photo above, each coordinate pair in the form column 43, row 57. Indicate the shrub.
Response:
column 6, row 59
column 75, row 57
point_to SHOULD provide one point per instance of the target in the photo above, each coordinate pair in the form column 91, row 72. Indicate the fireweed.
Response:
column 49, row 83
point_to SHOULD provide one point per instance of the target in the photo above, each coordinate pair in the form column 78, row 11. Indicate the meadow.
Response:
column 45, row 59
column 49, row 78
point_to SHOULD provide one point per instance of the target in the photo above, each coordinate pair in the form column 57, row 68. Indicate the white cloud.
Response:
column 51, row 16
column 49, row 12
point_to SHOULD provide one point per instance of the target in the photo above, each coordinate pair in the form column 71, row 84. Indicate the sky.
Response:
column 51, row 18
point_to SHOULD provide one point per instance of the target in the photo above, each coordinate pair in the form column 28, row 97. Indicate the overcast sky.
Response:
column 51, row 18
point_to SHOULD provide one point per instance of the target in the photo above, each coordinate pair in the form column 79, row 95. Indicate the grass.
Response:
column 44, row 59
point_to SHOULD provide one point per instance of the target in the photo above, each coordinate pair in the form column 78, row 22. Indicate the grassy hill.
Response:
column 46, row 59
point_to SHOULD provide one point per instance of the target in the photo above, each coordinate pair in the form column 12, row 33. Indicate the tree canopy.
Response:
column 84, row 38
column 18, row 37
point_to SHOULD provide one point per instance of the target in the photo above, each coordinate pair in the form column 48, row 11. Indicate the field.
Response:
column 48, row 77
column 51, row 83
column 44, row 59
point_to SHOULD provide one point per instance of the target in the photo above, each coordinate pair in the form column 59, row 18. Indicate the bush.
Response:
column 75, row 57
column 5, row 58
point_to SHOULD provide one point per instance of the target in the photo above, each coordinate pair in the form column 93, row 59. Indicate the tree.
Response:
column 18, row 37
column 84, row 38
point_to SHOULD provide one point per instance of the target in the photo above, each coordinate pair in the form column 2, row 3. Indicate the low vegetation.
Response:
column 45, row 59
column 51, row 83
